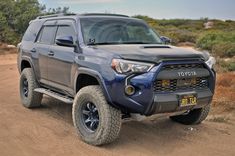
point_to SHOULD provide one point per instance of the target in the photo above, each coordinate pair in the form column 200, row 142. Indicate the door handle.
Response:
column 33, row 50
column 51, row 53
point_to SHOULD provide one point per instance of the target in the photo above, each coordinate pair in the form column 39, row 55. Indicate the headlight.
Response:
column 124, row 66
column 211, row 62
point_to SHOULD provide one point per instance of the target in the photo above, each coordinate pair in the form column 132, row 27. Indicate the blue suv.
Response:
column 109, row 67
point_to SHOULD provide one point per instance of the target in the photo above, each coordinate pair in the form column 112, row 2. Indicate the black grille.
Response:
column 201, row 83
column 182, row 66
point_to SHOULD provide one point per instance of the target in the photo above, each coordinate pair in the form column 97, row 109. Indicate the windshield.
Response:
column 117, row 31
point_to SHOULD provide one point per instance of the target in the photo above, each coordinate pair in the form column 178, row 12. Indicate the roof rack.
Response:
column 103, row 14
column 86, row 14
column 54, row 15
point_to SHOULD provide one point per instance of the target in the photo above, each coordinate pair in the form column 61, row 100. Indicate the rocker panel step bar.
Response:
column 54, row 95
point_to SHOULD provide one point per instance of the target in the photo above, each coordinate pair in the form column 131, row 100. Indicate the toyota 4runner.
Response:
column 109, row 67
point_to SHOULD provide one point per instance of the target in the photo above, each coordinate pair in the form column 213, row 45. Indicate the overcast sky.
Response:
column 193, row 9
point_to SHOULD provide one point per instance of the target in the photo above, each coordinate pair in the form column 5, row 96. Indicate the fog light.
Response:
column 166, row 83
column 130, row 90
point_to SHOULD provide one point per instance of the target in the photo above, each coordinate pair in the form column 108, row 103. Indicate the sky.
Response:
column 159, row 9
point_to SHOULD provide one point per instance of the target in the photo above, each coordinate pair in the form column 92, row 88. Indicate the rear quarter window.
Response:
column 32, row 31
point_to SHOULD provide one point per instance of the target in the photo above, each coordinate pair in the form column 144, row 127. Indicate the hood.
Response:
column 152, row 53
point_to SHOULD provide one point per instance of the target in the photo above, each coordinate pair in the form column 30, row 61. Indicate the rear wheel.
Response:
column 95, row 120
column 28, row 83
column 195, row 116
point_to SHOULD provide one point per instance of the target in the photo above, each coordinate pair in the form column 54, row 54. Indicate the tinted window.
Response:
column 47, row 34
column 65, row 31
column 31, row 32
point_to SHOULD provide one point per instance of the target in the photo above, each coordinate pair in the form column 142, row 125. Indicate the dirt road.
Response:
column 49, row 130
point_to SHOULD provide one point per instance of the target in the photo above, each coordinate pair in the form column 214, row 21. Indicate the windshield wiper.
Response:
column 104, row 43
column 139, row 42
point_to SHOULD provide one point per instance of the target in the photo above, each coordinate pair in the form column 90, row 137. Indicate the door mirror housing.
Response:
column 166, row 40
column 65, row 41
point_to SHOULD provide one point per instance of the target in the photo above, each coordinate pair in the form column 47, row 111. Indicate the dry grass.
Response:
column 224, row 98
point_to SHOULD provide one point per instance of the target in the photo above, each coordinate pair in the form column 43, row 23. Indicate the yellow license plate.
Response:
column 187, row 100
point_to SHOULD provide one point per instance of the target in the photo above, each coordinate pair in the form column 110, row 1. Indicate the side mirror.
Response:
column 165, row 40
column 65, row 41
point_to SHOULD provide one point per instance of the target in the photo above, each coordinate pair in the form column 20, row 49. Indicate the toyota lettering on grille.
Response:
column 187, row 74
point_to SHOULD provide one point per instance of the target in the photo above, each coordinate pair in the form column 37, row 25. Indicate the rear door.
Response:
column 42, row 49
column 60, row 63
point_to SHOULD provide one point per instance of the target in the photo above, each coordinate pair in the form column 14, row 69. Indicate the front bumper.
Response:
column 166, row 103
column 146, row 101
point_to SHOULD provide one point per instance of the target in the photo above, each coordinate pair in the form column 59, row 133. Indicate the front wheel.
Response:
column 195, row 116
column 95, row 120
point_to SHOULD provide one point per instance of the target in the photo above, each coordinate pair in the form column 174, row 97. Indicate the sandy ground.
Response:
column 49, row 131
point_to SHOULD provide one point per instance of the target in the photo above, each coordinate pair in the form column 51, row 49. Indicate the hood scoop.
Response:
column 154, row 46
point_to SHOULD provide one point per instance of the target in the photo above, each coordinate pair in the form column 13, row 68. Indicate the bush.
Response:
column 231, row 66
column 10, row 36
column 179, row 36
column 224, row 66
column 209, row 39
column 224, row 49
column 218, row 42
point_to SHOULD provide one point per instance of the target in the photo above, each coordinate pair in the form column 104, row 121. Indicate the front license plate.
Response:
column 188, row 100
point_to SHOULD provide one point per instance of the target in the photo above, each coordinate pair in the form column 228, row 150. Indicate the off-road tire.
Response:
column 33, row 98
column 109, row 117
column 194, row 117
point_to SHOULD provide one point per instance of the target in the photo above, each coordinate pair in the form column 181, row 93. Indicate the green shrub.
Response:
column 10, row 36
column 209, row 39
column 224, row 49
column 224, row 66
column 218, row 42
column 178, row 36
column 231, row 66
